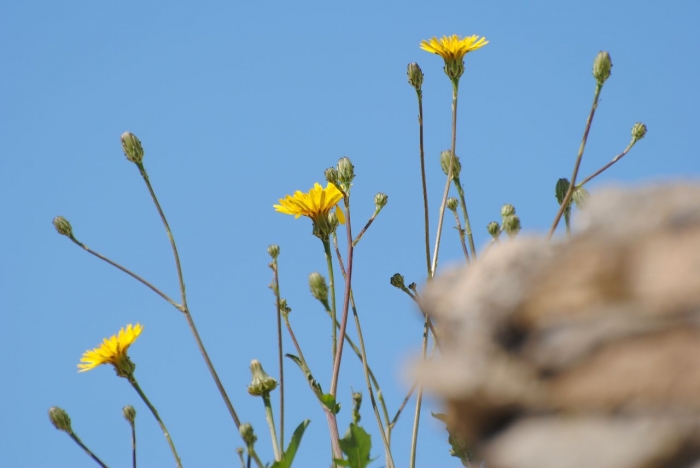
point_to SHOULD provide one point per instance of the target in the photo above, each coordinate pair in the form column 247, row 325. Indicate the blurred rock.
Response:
column 583, row 352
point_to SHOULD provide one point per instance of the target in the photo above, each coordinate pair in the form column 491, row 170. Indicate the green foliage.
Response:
column 356, row 445
column 291, row 451
column 459, row 449
column 326, row 399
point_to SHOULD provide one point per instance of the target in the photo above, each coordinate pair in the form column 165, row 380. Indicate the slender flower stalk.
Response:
column 130, row 415
column 271, row 423
column 261, row 385
column 467, row 224
column 452, row 205
column 273, row 250
column 419, row 400
column 61, row 421
column 331, row 284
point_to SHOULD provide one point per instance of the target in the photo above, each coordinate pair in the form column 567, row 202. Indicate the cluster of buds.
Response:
column 511, row 222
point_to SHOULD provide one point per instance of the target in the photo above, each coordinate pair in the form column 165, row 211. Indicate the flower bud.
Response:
column 356, row 403
column 511, row 225
column 494, row 229
column 561, row 188
column 333, row 221
column 284, row 307
column 580, row 197
column 248, row 435
column 132, row 148
column 445, row 159
column 638, row 131
column 415, row 76
column 507, row 210
column 60, row 419
column 602, row 66
column 452, row 203
column 62, row 226
column 261, row 383
column 397, row 281
column 273, row 250
column 346, row 172
column 129, row 413
column 331, row 175
column 318, row 286
column 380, row 200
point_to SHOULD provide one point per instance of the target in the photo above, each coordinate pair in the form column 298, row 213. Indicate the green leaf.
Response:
column 328, row 401
column 356, row 445
column 291, row 451
column 315, row 386
column 459, row 449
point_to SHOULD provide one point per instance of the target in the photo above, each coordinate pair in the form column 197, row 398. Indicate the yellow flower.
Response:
column 316, row 204
column 113, row 351
column 453, row 49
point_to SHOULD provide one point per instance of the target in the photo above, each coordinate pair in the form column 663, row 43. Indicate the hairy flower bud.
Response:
column 445, row 159
column 380, row 200
column 507, row 210
column 638, row 131
column 415, row 76
column 319, row 289
column 248, row 435
column 397, row 281
column 62, row 226
column 493, row 229
column 60, row 419
column 332, row 175
column 132, row 147
column 452, row 203
column 602, row 66
column 511, row 225
column 346, row 172
column 261, row 383
column 129, row 413
column 333, row 221
column 274, row 251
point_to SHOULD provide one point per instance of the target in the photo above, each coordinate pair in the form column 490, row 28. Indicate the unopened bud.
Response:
column 638, row 131
column 331, row 175
column 60, row 419
column 602, row 66
column 129, row 413
column 511, row 225
column 380, row 200
column 356, row 403
column 580, row 197
column 62, row 226
column 445, row 159
column 132, row 147
column 346, row 172
column 415, row 76
column 397, row 281
column 319, row 289
column 274, row 251
column 284, row 307
column 494, row 229
column 452, row 203
column 248, row 435
column 261, row 383
column 561, row 188
column 507, row 210
column 333, row 221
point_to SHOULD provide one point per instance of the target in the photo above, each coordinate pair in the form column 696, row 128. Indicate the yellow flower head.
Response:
column 113, row 351
column 453, row 49
column 316, row 204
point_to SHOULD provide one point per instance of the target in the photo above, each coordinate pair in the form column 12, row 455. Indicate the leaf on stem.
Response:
column 356, row 445
column 291, row 451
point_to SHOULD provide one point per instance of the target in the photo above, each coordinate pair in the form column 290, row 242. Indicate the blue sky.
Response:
column 240, row 103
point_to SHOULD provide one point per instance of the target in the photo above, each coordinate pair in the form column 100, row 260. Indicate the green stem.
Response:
column 581, row 149
column 455, row 91
column 279, row 349
column 331, row 285
column 467, row 225
column 426, row 220
column 77, row 440
column 132, row 381
column 271, row 423
column 461, row 236
column 604, row 168
column 133, row 443
column 419, row 401
column 369, row 223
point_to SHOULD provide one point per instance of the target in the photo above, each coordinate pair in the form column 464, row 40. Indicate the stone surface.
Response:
column 583, row 351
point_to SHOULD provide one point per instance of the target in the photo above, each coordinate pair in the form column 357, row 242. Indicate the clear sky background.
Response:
column 240, row 103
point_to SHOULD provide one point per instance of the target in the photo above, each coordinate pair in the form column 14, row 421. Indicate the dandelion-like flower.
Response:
column 316, row 204
column 113, row 351
column 453, row 49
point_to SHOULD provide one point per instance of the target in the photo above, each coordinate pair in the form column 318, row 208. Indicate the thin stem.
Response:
column 346, row 299
column 419, row 401
column 387, row 449
column 403, row 405
column 132, row 381
column 369, row 223
column 581, row 149
column 279, row 348
column 443, row 203
column 461, row 236
column 271, row 423
column 128, row 272
column 184, row 307
column 133, row 443
column 240, row 455
column 426, row 223
column 331, row 284
column 604, row 168
column 77, row 440
column 467, row 225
